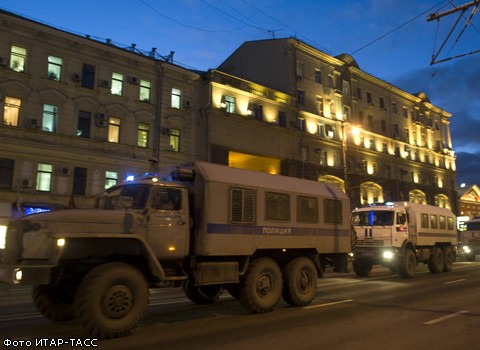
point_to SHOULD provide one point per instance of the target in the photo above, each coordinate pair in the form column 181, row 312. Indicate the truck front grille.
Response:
column 370, row 243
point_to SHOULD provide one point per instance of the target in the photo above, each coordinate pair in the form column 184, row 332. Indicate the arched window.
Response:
column 371, row 192
column 330, row 179
column 417, row 196
column 442, row 201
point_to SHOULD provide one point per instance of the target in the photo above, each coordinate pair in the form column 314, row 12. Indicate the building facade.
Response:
column 341, row 124
column 78, row 115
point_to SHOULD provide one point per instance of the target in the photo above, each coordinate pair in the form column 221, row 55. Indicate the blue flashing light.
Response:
column 130, row 178
column 35, row 210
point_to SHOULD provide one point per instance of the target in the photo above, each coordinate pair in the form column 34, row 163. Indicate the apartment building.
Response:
column 342, row 125
column 79, row 115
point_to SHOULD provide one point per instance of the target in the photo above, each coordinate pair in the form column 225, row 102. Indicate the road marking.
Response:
column 446, row 317
column 327, row 304
column 456, row 281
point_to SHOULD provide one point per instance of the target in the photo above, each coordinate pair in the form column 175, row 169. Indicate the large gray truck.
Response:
column 204, row 226
column 400, row 235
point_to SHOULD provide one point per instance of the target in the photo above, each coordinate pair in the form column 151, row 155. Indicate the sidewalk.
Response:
column 14, row 294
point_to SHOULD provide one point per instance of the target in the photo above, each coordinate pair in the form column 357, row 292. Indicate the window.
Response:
column 18, row 57
column 301, row 97
column 442, row 222
column 394, row 108
column 318, row 76
column 111, row 178
column 424, row 223
column 113, row 130
column 320, row 105
column 359, row 93
column 242, row 206
column 331, row 81
column 83, row 129
column 307, row 209
column 282, row 119
column 405, row 112
column 277, row 206
column 145, row 90
column 383, row 125
column 257, row 112
column 175, row 140
column 369, row 98
column 49, row 118
column 54, row 69
column 382, row 103
column 117, row 84
column 230, row 104
column 176, row 98
column 142, row 136
column 433, row 221
column 79, row 181
column 332, row 211
column 167, row 199
column 11, row 111
column 44, row 177
column 300, row 70
column 449, row 223
column 345, row 87
column 88, row 76
column 6, row 173
column 329, row 131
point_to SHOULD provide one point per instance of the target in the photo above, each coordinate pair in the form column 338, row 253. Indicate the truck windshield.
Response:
column 373, row 218
column 126, row 197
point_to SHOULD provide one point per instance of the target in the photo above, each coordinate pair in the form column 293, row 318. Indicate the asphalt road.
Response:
column 379, row 312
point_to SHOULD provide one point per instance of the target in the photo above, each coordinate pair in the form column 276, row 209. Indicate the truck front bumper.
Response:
column 25, row 274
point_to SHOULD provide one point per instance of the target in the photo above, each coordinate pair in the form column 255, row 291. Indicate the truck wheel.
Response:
column 299, row 282
column 202, row 295
column 448, row 254
column 53, row 302
column 362, row 268
column 408, row 264
column 436, row 262
column 111, row 300
column 262, row 286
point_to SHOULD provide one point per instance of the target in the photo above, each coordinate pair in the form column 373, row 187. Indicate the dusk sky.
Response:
column 390, row 39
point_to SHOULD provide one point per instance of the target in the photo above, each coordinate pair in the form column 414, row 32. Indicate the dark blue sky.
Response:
column 390, row 39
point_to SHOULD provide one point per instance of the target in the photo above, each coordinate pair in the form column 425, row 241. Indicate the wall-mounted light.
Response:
column 223, row 104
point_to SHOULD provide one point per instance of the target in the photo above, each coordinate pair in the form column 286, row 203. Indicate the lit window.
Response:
column 176, row 98
column 230, row 104
column 11, row 111
column 18, row 57
column 117, row 84
column 49, row 118
column 145, row 88
column 301, row 97
column 175, row 140
column 44, row 177
column 113, row 129
column 110, row 178
column 142, row 138
column 54, row 70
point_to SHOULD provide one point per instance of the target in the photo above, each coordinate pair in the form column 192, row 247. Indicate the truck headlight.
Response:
column 60, row 242
column 17, row 275
column 466, row 249
column 388, row 255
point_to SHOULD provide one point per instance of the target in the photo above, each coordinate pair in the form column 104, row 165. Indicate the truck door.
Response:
column 169, row 223
column 401, row 228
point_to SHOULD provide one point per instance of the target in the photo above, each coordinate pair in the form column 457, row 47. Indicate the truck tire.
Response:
column 202, row 295
column 449, row 258
column 53, row 302
column 262, row 286
column 111, row 300
column 436, row 262
column 362, row 268
column 299, row 282
column 407, row 264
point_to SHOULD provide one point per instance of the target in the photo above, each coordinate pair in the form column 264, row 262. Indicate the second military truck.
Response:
column 400, row 235
column 211, row 227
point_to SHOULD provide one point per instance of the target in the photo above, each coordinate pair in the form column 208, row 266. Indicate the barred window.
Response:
column 242, row 206
column 449, row 223
column 424, row 223
column 277, row 206
column 433, row 221
column 307, row 209
column 332, row 211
